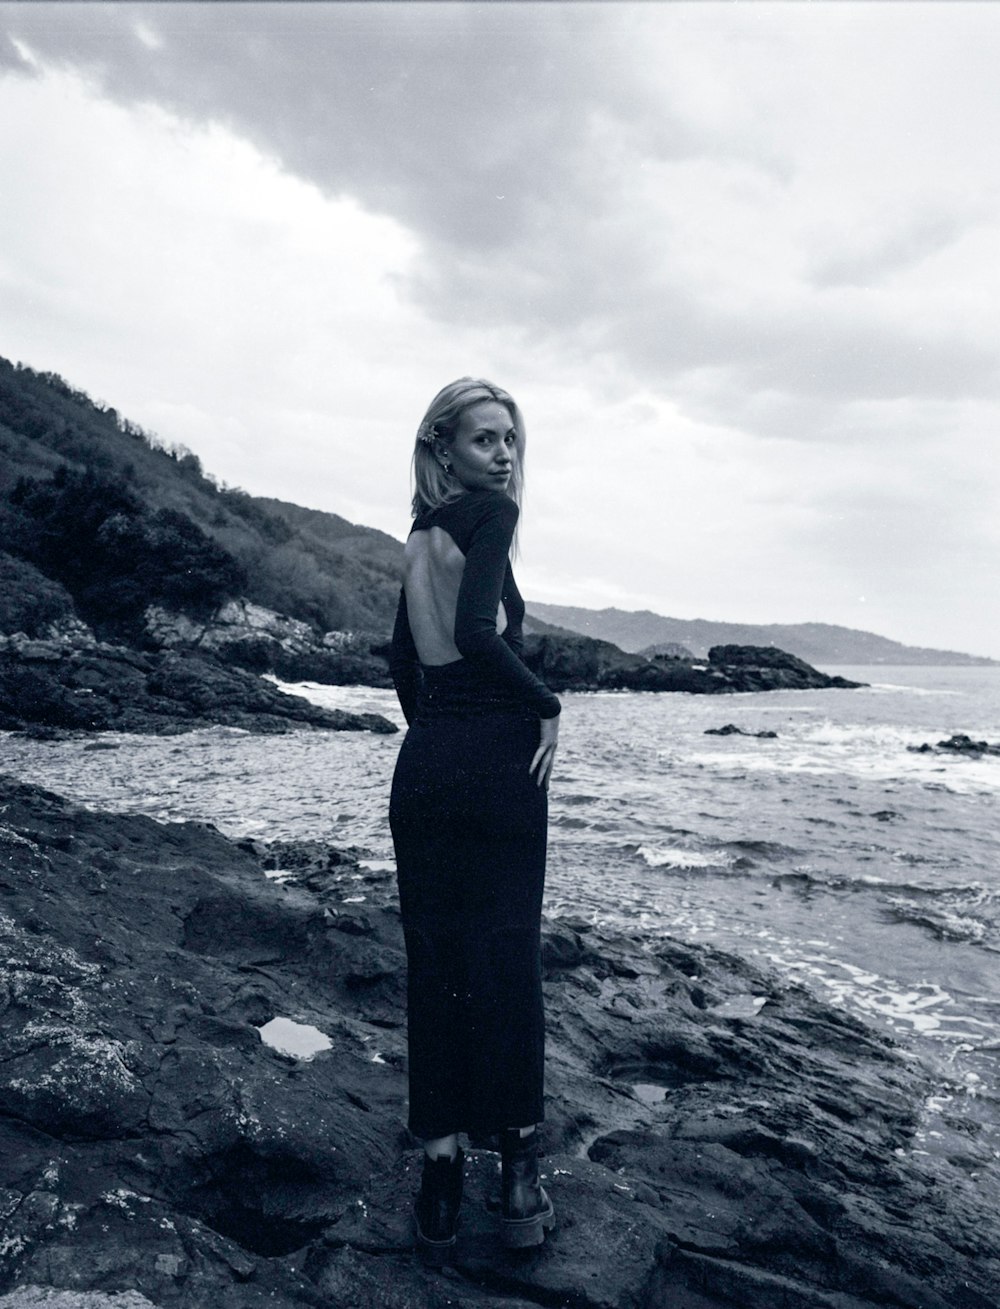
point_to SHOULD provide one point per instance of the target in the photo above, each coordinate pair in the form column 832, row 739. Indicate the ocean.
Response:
column 832, row 853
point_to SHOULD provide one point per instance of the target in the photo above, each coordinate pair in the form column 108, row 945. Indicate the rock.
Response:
column 961, row 744
column 103, row 687
column 249, row 636
column 715, row 1137
column 766, row 668
column 731, row 729
column 578, row 663
column 41, row 1297
column 178, row 1151
column 232, row 621
column 667, row 650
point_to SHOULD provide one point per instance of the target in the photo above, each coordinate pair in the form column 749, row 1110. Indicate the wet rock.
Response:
column 74, row 684
column 731, row 729
column 960, row 744
column 714, row 1137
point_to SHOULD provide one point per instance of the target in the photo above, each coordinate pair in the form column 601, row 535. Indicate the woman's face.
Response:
column 484, row 449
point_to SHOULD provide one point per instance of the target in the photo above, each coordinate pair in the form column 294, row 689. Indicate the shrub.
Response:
column 114, row 556
column 30, row 601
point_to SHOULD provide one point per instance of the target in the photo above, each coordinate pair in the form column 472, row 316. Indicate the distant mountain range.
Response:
column 643, row 632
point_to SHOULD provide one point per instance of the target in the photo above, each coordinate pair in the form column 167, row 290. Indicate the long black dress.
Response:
column 469, row 828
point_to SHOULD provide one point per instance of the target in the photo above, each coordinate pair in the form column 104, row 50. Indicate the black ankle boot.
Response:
column 437, row 1204
column 527, row 1210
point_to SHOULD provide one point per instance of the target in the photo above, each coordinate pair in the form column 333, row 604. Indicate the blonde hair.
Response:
column 432, row 486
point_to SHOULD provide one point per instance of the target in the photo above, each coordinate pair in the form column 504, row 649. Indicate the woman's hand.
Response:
column 548, row 739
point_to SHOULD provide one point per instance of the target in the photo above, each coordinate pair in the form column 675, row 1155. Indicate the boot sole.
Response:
column 434, row 1252
column 521, row 1233
column 431, row 1251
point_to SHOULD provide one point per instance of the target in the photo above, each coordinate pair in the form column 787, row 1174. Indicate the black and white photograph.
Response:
column 499, row 654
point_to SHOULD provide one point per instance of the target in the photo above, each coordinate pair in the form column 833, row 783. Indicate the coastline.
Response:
column 715, row 1135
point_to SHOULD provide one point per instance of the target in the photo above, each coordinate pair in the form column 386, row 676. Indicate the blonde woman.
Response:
column 469, row 815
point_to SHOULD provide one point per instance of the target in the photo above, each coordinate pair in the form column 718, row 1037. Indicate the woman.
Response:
column 468, row 814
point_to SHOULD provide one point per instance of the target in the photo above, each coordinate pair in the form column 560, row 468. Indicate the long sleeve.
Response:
column 404, row 664
column 476, row 637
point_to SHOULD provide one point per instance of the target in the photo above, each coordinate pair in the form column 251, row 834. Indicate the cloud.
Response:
column 398, row 104
column 876, row 255
column 619, row 178
column 739, row 263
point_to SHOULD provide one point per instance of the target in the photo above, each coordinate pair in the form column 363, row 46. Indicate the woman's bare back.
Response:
column 433, row 567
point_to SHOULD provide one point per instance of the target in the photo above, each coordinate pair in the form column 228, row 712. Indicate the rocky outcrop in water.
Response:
column 730, row 729
column 765, row 668
column 960, row 744
column 715, row 1137
column 569, row 663
column 69, row 680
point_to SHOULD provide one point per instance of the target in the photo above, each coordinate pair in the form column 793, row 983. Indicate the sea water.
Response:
column 832, row 853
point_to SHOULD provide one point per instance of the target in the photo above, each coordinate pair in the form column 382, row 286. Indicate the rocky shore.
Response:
column 194, row 675
column 257, row 639
column 248, row 636
column 70, row 680
column 715, row 1137
column 583, row 664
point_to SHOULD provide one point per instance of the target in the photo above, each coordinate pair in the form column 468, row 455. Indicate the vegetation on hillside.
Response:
column 106, row 511
column 29, row 601
column 112, row 554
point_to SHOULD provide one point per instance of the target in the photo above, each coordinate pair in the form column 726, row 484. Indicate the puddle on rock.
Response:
column 649, row 1092
column 297, row 1039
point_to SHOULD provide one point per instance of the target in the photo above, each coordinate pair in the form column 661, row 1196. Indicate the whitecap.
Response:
column 882, row 688
column 666, row 856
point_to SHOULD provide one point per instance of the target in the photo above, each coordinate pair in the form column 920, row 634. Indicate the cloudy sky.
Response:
column 739, row 263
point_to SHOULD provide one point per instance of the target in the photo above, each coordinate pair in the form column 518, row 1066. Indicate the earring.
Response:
column 447, row 469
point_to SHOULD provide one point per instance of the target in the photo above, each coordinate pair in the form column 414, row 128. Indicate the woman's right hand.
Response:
column 548, row 739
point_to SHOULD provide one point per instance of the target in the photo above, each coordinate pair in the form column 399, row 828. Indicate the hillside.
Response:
column 105, row 511
column 817, row 643
column 98, row 519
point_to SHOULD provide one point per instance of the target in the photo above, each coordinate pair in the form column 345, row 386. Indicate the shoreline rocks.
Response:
column 197, row 674
column 583, row 664
column 959, row 744
column 715, row 1136
column 730, row 729
column 73, row 681
column 252, row 637
column 249, row 636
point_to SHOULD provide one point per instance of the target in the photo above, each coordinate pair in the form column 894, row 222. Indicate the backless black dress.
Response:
column 469, row 828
